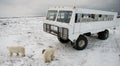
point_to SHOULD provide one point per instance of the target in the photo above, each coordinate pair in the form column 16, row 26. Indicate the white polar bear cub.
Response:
column 49, row 54
column 17, row 50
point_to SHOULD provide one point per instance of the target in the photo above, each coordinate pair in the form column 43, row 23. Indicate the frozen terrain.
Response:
column 28, row 32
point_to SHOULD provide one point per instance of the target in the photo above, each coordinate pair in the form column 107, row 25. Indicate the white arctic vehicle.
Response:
column 73, row 24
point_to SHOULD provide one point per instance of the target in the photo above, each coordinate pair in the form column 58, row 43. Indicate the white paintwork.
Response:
column 118, row 21
column 75, row 29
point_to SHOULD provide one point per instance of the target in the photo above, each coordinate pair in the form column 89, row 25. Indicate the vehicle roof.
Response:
column 82, row 10
column 61, row 8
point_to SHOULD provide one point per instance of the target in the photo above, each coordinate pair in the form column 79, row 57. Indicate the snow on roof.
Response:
column 82, row 10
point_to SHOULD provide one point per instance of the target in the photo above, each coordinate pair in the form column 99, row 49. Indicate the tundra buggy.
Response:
column 73, row 24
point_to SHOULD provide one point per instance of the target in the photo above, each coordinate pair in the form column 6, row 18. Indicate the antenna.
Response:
column 74, row 4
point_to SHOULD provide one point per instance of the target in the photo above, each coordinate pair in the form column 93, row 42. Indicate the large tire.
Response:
column 103, row 35
column 81, row 43
column 63, row 40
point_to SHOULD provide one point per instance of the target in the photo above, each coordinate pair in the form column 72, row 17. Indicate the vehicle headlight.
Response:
column 46, row 27
column 63, row 33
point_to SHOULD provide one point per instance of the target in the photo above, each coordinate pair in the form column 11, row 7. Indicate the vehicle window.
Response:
column 64, row 16
column 51, row 15
column 80, row 17
column 76, row 18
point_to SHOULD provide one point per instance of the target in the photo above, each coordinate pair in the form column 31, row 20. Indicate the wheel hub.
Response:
column 81, row 43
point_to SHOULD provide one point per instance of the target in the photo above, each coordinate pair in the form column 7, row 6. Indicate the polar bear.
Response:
column 49, row 54
column 17, row 50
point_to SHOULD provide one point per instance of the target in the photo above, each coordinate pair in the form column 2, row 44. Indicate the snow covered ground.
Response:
column 28, row 32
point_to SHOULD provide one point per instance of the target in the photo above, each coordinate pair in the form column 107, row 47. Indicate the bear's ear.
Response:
column 43, row 51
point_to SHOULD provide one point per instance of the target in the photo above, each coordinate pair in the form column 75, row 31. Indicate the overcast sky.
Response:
column 14, row 8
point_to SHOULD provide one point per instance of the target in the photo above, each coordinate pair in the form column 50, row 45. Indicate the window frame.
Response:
column 85, row 17
column 54, row 15
column 67, row 16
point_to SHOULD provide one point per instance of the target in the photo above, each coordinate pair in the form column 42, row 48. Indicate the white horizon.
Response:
column 18, row 8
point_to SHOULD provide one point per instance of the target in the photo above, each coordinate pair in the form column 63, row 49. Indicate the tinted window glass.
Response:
column 51, row 15
column 64, row 16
